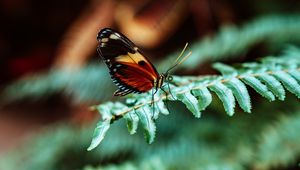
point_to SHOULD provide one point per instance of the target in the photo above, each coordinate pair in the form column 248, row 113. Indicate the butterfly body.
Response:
column 130, row 70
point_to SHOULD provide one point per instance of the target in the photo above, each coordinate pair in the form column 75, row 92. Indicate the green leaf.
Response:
column 225, row 95
column 258, row 87
column 145, row 117
column 273, row 84
column 99, row 134
column 295, row 74
column 240, row 92
column 190, row 102
column 204, row 97
column 106, row 110
column 161, row 107
column 226, row 70
column 289, row 82
column 132, row 122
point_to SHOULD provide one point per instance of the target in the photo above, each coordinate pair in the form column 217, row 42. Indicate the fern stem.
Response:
column 162, row 97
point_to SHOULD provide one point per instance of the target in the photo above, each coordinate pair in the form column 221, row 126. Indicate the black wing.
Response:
column 113, row 44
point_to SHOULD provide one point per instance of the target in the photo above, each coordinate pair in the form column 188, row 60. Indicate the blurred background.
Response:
column 51, row 74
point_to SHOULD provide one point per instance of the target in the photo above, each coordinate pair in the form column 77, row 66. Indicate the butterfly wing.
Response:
column 131, row 71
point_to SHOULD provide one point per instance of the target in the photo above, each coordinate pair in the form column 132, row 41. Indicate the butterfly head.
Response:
column 166, row 77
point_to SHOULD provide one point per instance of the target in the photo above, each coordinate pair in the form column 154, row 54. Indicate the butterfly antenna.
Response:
column 184, row 58
column 177, row 61
column 183, row 50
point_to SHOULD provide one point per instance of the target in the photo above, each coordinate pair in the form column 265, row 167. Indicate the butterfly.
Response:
column 130, row 70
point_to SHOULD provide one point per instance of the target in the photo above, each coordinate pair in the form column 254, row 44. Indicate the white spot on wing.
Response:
column 104, row 40
column 113, row 36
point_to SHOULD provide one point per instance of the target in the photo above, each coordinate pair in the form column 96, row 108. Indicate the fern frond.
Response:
column 232, row 40
column 200, row 144
column 83, row 85
column 64, row 145
column 229, row 87
column 281, row 137
column 241, row 141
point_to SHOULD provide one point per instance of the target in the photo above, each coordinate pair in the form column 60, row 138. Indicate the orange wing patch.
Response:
column 136, row 77
column 138, row 60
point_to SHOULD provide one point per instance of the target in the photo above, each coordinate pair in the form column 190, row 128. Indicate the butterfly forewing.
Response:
column 130, row 70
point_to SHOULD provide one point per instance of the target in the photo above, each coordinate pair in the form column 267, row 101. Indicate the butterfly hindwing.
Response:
column 131, row 71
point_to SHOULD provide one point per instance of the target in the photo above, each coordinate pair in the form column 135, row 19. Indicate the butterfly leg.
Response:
column 152, row 102
column 168, row 84
column 167, row 104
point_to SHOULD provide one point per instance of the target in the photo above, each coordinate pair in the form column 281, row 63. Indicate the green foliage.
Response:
column 279, row 138
column 241, row 142
column 191, row 91
column 63, row 146
column 84, row 85
column 232, row 41
column 201, row 144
